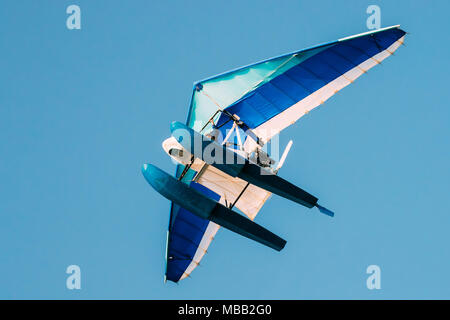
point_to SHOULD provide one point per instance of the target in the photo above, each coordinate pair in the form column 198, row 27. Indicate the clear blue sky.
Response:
column 82, row 110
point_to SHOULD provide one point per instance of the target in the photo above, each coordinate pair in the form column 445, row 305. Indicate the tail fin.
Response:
column 325, row 210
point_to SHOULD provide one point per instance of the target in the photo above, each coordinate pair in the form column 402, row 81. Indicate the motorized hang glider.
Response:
column 235, row 114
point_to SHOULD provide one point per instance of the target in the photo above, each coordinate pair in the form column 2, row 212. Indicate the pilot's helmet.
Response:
column 215, row 135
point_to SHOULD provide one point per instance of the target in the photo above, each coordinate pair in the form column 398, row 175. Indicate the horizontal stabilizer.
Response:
column 275, row 184
column 245, row 227
column 325, row 210
column 206, row 208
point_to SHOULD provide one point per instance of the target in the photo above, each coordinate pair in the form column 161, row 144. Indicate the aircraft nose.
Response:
column 153, row 174
column 157, row 178
column 150, row 172
column 144, row 170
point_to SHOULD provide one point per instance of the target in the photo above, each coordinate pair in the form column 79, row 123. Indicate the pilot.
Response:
column 215, row 135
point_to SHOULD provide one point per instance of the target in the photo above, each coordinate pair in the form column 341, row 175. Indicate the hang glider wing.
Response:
column 267, row 96
column 189, row 236
column 271, row 95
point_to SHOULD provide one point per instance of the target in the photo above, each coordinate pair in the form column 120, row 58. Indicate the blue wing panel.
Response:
column 296, row 83
column 185, row 234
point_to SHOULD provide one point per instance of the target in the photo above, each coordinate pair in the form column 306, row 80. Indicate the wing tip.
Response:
column 397, row 26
